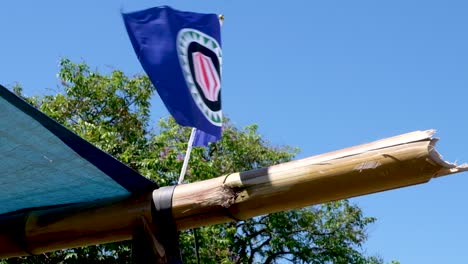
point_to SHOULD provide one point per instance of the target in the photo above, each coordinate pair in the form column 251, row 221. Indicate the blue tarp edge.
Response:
column 118, row 171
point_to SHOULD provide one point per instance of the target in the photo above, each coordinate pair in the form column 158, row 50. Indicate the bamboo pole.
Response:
column 387, row 164
column 85, row 224
column 391, row 163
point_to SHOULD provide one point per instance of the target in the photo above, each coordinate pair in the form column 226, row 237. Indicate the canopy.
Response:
column 43, row 164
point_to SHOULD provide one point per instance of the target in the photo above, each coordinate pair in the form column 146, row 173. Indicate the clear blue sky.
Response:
column 320, row 75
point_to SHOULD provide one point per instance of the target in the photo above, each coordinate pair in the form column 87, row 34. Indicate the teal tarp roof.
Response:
column 44, row 164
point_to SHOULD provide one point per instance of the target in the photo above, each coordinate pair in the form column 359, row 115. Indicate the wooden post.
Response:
column 158, row 241
column 387, row 164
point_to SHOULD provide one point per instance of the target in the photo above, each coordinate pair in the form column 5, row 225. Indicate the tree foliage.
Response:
column 112, row 111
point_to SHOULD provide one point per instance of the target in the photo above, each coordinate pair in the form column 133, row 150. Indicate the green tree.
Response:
column 112, row 111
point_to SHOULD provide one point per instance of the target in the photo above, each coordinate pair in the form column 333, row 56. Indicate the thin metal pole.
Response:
column 184, row 169
column 187, row 156
column 197, row 247
column 181, row 179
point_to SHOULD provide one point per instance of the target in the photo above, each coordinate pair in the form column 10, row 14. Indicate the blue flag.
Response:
column 202, row 139
column 181, row 53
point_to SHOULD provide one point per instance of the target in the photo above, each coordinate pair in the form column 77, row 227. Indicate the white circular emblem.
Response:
column 200, row 58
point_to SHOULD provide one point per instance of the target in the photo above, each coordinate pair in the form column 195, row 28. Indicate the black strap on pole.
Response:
column 162, row 218
column 158, row 242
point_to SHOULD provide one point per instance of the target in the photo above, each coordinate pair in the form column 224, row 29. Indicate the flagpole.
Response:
column 181, row 179
column 192, row 134
column 184, row 167
column 138, row 28
column 187, row 156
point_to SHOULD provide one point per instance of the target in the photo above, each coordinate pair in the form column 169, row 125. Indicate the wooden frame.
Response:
column 391, row 163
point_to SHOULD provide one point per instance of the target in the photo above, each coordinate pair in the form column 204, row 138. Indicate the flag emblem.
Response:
column 200, row 58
